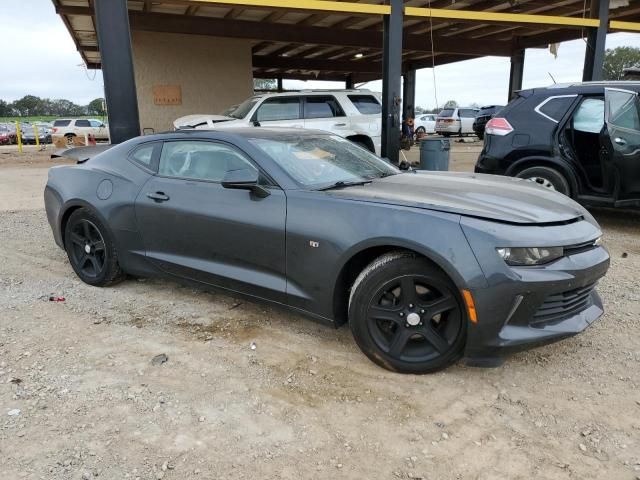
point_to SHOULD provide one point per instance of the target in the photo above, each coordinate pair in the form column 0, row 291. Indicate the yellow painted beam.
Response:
column 315, row 5
column 629, row 26
column 490, row 17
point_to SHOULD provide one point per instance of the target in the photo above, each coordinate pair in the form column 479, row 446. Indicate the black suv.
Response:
column 484, row 115
column 580, row 139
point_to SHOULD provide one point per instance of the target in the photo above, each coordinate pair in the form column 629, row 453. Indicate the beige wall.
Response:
column 214, row 73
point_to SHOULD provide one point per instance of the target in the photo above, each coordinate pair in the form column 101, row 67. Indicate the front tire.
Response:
column 91, row 249
column 547, row 177
column 406, row 315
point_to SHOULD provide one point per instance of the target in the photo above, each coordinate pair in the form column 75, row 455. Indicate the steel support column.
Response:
column 516, row 73
column 392, row 81
column 409, row 94
column 114, row 38
column 348, row 83
column 596, row 40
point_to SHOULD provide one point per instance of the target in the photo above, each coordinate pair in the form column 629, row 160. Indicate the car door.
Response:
column 82, row 127
column 98, row 129
column 467, row 117
column 622, row 115
column 195, row 228
column 283, row 111
column 323, row 112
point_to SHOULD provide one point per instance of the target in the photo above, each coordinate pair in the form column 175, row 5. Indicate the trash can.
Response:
column 434, row 154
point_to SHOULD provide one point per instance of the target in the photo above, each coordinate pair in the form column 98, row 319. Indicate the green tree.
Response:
column 617, row 59
column 450, row 104
column 63, row 107
column 5, row 109
column 96, row 107
column 28, row 105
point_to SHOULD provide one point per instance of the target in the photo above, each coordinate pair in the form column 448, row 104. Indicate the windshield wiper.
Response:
column 342, row 184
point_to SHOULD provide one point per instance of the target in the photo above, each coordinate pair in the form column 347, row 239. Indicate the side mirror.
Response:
column 256, row 123
column 244, row 179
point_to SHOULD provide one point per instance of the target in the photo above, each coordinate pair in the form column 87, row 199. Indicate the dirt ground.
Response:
column 80, row 397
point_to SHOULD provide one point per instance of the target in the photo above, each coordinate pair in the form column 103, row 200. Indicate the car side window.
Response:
column 623, row 110
column 279, row 108
column 554, row 108
column 322, row 107
column 467, row 113
column 95, row 123
column 200, row 160
column 144, row 155
column 82, row 123
column 589, row 116
column 366, row 104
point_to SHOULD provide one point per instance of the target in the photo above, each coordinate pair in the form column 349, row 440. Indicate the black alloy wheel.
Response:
column 90, row 249
column 413, row 320
column 87, row 248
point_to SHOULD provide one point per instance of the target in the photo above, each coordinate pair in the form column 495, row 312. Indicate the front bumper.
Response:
column 526, row 307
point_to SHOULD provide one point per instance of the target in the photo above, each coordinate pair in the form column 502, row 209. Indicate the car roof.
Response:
column 584, row 87
column 230, row 133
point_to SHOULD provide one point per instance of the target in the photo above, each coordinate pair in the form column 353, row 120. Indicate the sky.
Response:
column 44, row 62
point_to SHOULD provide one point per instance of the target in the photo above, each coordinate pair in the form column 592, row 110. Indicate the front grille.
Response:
column 563, row 305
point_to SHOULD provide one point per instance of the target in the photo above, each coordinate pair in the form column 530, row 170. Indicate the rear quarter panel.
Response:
column 107, row 184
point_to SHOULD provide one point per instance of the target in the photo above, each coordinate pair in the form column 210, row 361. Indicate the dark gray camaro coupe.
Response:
column 425, row 267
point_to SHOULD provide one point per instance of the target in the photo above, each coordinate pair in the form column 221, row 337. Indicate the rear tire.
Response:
column 547, row 177
column 406, row 315
column 421, row 130
column 69, row 137
column 91, row 250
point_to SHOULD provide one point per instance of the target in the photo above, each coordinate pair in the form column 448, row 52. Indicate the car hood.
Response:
column 493, row 197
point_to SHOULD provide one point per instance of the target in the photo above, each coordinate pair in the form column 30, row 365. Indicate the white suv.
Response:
column 352, row 114
column 456, row 121
column 70, row 128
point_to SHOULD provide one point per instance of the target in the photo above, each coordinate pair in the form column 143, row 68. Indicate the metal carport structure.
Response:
column 350, row 41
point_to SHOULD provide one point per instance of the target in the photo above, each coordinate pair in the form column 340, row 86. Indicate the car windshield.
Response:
column 323, row 160
column 243, row 109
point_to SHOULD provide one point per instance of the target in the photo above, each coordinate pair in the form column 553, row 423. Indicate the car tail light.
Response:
column 498, row 126
column 54, row 129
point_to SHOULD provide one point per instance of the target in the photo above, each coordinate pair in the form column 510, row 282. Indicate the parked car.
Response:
column 484, row 115
column 351, row 114
column 425, row 123
column 456, row 121
column 425, row 267
column 28, row 133
column 7, row 135
column 69, row 128
column 581, row 139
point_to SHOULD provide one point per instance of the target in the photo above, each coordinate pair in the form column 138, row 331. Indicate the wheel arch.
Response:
column 562, row 166
column 70, row 207
column 364, row 139
column 357, row 258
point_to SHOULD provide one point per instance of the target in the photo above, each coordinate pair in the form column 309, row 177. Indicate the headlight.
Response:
column 598, row 241
column 522, row 256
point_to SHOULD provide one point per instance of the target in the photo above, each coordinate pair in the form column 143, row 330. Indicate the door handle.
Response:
column 158, row 196
column 620, row 141
column 339, row 124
